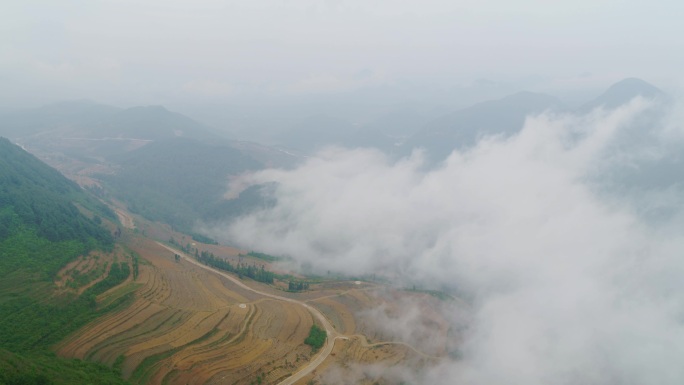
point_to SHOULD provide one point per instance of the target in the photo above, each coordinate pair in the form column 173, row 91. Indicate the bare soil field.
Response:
column 187, row 326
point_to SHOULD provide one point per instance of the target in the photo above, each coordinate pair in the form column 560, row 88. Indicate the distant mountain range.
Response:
column 505, row 117
column 147, row 151
column 78, row 124
column 402, row 131
column 463, row 128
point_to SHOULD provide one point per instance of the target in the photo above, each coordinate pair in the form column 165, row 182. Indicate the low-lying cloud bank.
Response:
column 568, row 284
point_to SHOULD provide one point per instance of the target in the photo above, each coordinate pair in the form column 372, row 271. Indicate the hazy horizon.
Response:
column 179, row 53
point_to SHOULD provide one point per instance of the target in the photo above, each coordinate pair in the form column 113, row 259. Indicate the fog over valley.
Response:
column 325, row 192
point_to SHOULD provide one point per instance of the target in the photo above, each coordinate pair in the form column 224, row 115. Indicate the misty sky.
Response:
column 156, row 52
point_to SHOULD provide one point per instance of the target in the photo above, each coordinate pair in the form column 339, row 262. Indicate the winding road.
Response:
column 333, row 335
column 329, row 329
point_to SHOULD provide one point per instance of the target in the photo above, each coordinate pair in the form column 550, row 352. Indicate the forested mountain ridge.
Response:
column 35, row 196
column 41, row 230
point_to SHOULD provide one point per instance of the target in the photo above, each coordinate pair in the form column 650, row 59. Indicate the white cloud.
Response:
column 567, row 287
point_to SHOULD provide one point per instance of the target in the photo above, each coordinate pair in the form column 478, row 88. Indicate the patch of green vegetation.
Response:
column 135, row 259
column 118, row 363
column 203, row 239
column 264, row 256
column 316, row 337
column 297, row 286
column 44, row 368
column 435, row 293
column 31, row 324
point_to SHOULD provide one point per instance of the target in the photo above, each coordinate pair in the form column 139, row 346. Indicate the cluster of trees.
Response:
column 297, row 286
column 136, row 264
column 203, row 239
column 316, row 337
column 254, row 272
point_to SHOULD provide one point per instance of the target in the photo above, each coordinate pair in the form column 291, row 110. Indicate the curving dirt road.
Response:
column 329, row 329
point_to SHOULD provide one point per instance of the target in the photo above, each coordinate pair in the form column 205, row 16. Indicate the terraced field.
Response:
column 188, row 325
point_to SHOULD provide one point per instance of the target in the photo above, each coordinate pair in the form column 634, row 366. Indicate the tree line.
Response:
column 297, row 286
column 257, row 273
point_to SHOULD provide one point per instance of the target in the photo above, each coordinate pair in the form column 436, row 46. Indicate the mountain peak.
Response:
column 623, row 91
column 155, row 109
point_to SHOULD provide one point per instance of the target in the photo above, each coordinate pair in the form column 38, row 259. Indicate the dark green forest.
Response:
column 41, row 230
column 42, row 198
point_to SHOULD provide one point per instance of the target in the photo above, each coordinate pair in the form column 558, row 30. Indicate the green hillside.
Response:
column 179, row 181
column 40, row 227
column 41, row 230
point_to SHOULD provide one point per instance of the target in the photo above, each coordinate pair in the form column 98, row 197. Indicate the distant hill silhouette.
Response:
column 96, row 121
column 153, row 122
column 622, row 92
column 318, row 131
column 463, row 128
